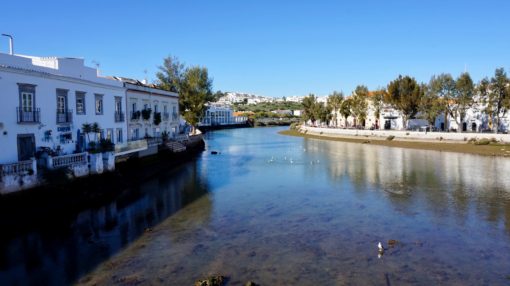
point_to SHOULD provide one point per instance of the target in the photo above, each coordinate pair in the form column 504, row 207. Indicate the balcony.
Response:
column 33, row 116
column 119, row 116
column 135, row 115
column 64, row 116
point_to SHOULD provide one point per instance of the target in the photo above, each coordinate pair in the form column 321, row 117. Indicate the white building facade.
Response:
column 46, row 100
column 152, row 112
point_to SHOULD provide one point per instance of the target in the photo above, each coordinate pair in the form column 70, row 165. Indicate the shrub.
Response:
column 157, row 118
column 146, row 113
column 483, row 141
column 391, row 137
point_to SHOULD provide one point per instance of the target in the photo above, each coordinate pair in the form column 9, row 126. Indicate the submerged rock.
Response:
column 215, row 280
column 251, row 283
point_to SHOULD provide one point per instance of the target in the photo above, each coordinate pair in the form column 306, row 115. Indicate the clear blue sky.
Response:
column 272, row 48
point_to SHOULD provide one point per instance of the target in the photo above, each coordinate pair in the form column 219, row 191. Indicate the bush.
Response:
column 391, row 137
column 483, row 141
column 106, row 145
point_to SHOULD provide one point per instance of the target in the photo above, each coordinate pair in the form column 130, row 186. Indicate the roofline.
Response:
column 152, row 90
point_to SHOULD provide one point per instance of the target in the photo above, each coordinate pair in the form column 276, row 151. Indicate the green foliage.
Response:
column 405, row 94
column 334, row 103
column 157, row 118
column 431, row 106
column 483, row 141
column 170, row 74
column 496, row 96
column 136, row 115
column 195, row 93
column 359, row 104
column 267, row 106
column 464, row 97
column 310, row 108
column 146, row 113
column 378, row 101
column 106, row 145
column 345, row 109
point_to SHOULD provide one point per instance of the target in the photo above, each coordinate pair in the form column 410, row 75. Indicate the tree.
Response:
column 171, row 74
column 95, row 129
column 405, row 94
column 483, row 90
column 443, row 86
column 323, row 112
column 498, row 96
column 464, row 99
column 334, row 102
column 345, row 109
column 431, row 106
column 195, row 92
column 87, row 129
column 359, row 104
column 310, row 108
column 378, row 103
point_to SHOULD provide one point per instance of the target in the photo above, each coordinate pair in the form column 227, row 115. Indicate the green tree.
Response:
column 87, row 129
column 195, row 92
column 345, row 109
column 464, row 99
column 378, row 103
column 359, row 105
column 498, row 96
column 405, row 94
column 483, row 90
column 334, row 102
column 323, row 112
column 443, row 86
column 171, row 74
column 431, row 106
column 310, row 108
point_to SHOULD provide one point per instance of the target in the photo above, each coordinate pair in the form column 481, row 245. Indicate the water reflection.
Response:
column 58, row 256
column 443, row 181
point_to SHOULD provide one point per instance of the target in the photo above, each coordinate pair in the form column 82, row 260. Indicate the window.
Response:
column 99, row 104
column 133, row 106
column 119, row 135
column 118, row 104
column 109, row 134
column 26, row 97
column 27, row 104
column 80, row 103
column 61, row 100
column 155, row 108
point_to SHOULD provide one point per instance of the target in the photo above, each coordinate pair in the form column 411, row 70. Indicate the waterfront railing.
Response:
column 68, row 160
column 18, row 168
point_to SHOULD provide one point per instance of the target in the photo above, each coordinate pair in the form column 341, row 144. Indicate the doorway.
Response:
column 26, row 146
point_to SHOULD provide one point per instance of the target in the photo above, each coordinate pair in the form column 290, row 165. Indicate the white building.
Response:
column 151, row 111
column 217, row 114
column 45, row 101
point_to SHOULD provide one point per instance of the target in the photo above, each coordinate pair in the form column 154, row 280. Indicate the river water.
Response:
column 281, row 210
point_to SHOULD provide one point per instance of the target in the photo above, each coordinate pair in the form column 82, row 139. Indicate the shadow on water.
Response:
column 63, row 250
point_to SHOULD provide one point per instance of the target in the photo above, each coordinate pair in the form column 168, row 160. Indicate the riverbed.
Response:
column 281, row 210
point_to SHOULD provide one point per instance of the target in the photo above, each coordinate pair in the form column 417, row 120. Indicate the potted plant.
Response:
column 157, row 118
column 146, row 113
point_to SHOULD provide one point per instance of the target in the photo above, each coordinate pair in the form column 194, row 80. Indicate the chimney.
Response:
column 11, row 48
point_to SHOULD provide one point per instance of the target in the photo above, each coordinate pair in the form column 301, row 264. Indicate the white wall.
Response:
column 141, row 97
column 19, row 70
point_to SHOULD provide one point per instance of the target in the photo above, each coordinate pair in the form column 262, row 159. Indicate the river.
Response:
column 282, row 210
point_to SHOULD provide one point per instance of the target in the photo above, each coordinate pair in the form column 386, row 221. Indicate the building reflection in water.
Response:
column 442, row 182
column 58, row 257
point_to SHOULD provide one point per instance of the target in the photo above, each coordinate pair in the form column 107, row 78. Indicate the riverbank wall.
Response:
column 49, row 171
column 64, row 197
column 405, row 135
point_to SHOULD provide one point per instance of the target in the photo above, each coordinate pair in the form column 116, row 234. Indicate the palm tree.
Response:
column 334, row 102
column 86, row 128
column 95, row 129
